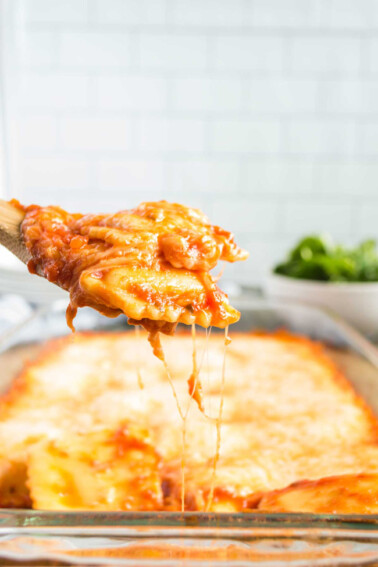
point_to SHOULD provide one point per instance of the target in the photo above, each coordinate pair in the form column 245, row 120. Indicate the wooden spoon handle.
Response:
column 10, row 233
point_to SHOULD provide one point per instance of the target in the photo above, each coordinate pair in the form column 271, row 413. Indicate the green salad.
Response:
column 319, row 258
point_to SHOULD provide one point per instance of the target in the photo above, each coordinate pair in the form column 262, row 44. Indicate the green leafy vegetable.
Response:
column 318, row 258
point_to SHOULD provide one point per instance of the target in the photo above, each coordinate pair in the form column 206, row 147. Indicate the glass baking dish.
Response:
column 200, row 539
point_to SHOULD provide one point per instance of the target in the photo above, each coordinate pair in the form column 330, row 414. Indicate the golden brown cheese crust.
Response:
column 151, row 263
column 98, row 470
column 289, row 415
column 346, row 494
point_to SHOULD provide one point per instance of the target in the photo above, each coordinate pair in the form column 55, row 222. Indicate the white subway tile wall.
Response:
column 264, row 113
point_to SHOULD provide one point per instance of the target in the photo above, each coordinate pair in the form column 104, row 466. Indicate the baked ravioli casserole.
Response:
column 92, row 424
column 104, row 422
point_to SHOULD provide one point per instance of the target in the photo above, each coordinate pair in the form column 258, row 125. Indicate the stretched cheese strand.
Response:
column 227, row 341
column 183, row 463
column 207, row 375
column 138, row 365
column 194, row 383
column 154, row 340
column 195, row 391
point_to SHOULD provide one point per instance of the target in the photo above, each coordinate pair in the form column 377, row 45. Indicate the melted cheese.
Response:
column 151, row 263
column 218, row 423
column 345, row 494
column 288, row 415
column 139, row 362
column 101, row 470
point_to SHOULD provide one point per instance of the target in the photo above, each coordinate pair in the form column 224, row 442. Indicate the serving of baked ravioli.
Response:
column 91, row 424
column 152, row 263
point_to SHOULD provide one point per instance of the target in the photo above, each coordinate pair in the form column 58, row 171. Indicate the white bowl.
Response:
column 357, row 303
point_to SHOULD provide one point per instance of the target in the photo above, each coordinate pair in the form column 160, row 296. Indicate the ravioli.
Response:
column 101, row 470
column 152, row 263
column 77, row 432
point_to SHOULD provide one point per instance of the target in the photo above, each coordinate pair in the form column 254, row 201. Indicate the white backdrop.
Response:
column 262, row 112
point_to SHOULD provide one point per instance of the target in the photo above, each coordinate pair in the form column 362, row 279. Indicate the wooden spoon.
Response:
column 10, row 230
